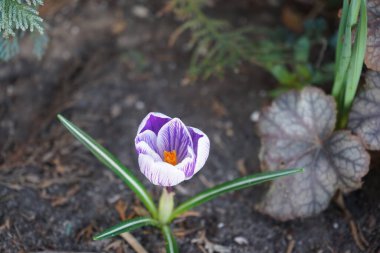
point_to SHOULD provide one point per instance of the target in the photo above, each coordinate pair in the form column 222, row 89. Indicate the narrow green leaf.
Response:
column 344, row 54
column 230, row 186
column 105, row 157
column 355, row 8
column 170, row 242
column 357, row 59
column 125, row 226
column 342, row 26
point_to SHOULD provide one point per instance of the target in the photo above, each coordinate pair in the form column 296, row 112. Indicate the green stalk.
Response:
column 170, row 242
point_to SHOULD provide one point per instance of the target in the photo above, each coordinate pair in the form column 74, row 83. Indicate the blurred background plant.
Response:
column 217, row 46
column 18, row 19
column 294, row 60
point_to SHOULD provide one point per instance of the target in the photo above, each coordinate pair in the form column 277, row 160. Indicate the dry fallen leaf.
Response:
column 364, row 117
column 297, row 132
column 121, row 208
column 372, row 56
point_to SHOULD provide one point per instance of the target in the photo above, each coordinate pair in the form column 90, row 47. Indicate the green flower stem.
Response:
column 170, row 242
column 165, row 206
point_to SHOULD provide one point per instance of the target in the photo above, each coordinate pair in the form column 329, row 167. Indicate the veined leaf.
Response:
column 230, row 186
column 126, row 226
column 105, row 157
column 372, row 57
column 297, row 130
column 364, row 117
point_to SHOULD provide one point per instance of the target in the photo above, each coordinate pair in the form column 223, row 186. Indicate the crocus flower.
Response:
column 170, row 152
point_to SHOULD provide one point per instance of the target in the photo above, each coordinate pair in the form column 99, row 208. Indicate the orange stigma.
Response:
column 170, row 157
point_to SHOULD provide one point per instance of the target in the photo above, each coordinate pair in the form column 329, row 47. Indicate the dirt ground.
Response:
column 106, row 67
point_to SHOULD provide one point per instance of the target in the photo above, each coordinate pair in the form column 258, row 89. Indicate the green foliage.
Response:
column 216, row 46
column 349, row 56
column 106, row 158
column 126, row 226
column 19, row 15
column 8, row 48
column 40, row 43
column 291, row 64
column 16, row 18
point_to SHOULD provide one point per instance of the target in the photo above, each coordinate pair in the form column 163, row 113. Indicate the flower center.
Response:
column 170, row 157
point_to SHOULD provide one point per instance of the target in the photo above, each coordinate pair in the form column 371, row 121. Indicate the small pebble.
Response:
column 130, row 100
column 140, row 11
column 115, row 111
column 10, row 90
column 255, row 116
column 241, row 240
column 221, row 225
column 74, row 30
column 113, row 199
column 140, row 105
column 335, row 225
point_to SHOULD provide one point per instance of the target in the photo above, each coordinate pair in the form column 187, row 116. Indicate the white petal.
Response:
column 203, row 149
column 160, row 173
column 144, row 121
column 146, row 143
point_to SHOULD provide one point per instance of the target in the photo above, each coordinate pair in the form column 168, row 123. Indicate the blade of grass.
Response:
column 342, row 26
column 126, row 226
column 343, row 55
column 105, row 157
column 230, row 186
column 357, row 59
column 170, row 242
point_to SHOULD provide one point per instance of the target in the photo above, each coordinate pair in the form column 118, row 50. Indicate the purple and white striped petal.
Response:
column 154, row 122
column 169, row 152
column 160, row 173
column 201, row 144
column 187, row 165
column 174, row 135
column 146, row 143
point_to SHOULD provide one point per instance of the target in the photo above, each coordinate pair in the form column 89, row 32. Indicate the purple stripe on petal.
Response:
column 195, row 135
column 148, row 137
column 174, row 135
column 187, row 165
column 153, row 121
column 143, row 148
column 201, row 147
column 160, row 173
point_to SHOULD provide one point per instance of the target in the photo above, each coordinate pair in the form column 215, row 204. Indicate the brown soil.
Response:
column 105, row 69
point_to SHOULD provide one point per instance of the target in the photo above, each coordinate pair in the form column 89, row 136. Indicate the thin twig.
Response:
column 131, row 240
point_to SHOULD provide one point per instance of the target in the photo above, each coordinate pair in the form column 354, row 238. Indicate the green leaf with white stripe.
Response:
column 126, row 226
column 105, row 157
